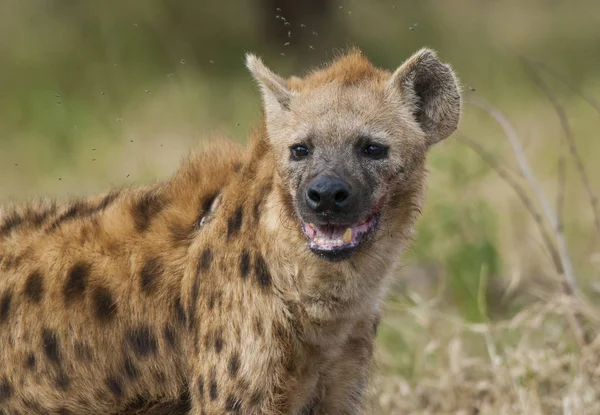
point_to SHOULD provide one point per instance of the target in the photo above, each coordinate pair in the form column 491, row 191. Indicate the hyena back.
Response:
column 272, row 305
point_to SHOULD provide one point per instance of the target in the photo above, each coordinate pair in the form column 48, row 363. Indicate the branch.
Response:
column 506, row 175
column 590, row 100
column 568, row 136
column 513, row 139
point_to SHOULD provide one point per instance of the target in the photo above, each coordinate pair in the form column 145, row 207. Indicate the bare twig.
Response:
column 527, row 173
column 568, row 136
column 506, row 175
column 590, row 100
column 562, row 182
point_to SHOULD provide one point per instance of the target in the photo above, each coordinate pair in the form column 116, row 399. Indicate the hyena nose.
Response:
column 328, row 193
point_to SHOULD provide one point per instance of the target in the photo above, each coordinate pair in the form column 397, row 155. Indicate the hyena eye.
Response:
column 375, row 151
column 299, row 151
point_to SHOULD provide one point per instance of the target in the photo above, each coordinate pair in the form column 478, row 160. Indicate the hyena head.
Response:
column 347, row 136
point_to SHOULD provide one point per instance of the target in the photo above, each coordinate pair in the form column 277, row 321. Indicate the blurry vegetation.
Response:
column 95, row 94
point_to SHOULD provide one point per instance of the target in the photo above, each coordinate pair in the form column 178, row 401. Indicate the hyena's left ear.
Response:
column 431, row 90
column 275, row 93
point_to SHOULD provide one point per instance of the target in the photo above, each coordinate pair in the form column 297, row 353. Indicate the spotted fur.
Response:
column 200, row 295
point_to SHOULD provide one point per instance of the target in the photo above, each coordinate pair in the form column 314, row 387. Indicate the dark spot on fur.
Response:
column 169, row 335
column 142, row 340
column 11, row 261
column 233, row 404
column 5, row 306
column 219, row 341
column 34, row 287
column 62, row 381
column 145, row 209
column 39, row 217
column 138, row 404
column 257, row 208
column 211, row 301
column 6, row 390
column 104, row 304
column 185, row 401
column 208, row 339
column 234, row 365
column 143, row 405
column 81, row 401
column 263, row 276
column 76, row 283
column 213, row 389
column 81, row 209
column 107, row 201
column 265, row 190
column 82, row 351
column 150, row 275
column 256, row 398
column 219, row 300
column 12, row 221
column 30, row 361
column 258, row 327
column 17, row 260
column 34, row 406
column 234, row 223
column 192, row 318
column 64, row 411
column 75, row 210
column 289, row 364
column 205, row 259
column 279, row 331
column 129, row 368
column 159, row 376
column 242, row 385
column 115, row 387
column 201, row 387
column 51, row 346
column 244, row 264
column 180, row 312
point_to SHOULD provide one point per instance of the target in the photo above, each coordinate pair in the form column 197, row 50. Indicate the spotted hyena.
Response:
column 251, row 281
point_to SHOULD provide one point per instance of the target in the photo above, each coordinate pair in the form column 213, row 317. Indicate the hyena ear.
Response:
column 431, row 90
column 276, row 95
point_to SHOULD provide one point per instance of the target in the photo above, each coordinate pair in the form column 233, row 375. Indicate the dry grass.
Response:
column 531, row 364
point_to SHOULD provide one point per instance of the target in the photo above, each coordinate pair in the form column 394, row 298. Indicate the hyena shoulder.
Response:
column 90, row 289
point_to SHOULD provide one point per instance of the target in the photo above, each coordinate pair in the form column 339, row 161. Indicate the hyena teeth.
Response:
column 348, row 236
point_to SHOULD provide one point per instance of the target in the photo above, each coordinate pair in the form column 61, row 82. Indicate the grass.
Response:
column 529, row 363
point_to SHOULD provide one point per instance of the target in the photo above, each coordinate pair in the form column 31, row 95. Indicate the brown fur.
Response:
column 124, row 304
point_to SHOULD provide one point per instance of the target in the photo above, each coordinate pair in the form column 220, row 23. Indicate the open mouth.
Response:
column 332, row 240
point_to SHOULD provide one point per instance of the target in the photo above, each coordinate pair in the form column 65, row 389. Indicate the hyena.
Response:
column 251, row 282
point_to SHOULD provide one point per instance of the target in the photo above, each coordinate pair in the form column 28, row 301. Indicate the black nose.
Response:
column 328, row 193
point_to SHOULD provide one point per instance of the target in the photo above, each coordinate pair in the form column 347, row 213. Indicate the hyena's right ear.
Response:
column 431, row 90
column 275, row 93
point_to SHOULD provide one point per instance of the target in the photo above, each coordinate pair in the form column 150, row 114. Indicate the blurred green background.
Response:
column 101, row 93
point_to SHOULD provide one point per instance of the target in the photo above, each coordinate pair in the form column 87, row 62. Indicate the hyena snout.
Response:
column 329, row 194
